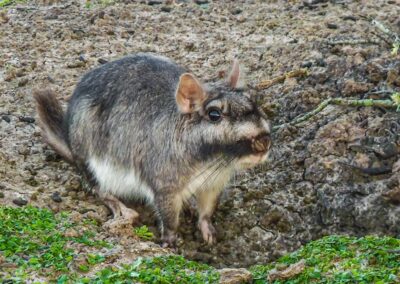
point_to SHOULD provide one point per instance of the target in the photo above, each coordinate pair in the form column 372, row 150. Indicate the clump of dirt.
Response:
column 333, row 174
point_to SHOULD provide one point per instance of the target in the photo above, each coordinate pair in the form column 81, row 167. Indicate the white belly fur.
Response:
column 118, row 181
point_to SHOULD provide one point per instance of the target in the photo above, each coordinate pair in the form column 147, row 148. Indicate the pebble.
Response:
column 313, row 2
column 82, row 58
column 102, row 61
column 350, row 17
column 6, row 118
column 20, row 201
column 306, row 64
column 28, row 119
column 236, row 11
column 331, row 26
column 56, row 197
column 154, row 2
column 76, row 64
column 166, row 9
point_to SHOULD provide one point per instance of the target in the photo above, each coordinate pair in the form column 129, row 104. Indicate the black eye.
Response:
column 215, row 115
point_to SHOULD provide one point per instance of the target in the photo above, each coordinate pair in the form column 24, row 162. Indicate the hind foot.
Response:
column 208, row 231
column 123, row 219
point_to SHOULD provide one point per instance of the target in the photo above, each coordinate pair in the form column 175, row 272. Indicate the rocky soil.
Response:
column 338, row 173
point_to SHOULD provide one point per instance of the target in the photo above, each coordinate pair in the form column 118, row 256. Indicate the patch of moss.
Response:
column 341, row 259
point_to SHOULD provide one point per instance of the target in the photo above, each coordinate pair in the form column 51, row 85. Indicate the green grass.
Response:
column 341, row 259
column 4, row 3
column 34, row 239
column 165, row 269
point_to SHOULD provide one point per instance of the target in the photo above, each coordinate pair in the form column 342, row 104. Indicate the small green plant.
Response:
column 143, row 233
column 94, row 258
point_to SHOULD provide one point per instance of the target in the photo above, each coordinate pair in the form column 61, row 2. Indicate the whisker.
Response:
column 214, row 175
column 206, row 167
column 214, row 164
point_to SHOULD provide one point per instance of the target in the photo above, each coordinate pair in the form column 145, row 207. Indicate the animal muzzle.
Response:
column 261, row 143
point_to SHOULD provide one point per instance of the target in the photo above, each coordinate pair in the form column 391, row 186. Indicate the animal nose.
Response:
column 261, row 143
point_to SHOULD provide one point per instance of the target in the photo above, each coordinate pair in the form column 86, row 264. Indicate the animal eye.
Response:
column 215, row 115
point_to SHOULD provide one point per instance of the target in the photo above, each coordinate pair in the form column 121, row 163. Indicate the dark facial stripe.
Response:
column 239, row 149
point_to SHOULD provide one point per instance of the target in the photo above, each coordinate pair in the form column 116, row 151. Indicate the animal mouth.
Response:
column 257, row 153
column 261, row 144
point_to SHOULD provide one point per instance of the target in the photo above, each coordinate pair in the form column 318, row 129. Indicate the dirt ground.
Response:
column 336, row 173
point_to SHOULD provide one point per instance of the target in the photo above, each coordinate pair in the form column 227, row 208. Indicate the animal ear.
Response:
column 234, row 75
column 190, row 94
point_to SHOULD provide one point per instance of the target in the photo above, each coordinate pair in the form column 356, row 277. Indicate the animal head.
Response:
column 221, row 120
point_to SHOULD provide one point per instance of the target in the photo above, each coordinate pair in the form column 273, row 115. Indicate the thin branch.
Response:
column 341, row 102
column 352, row 42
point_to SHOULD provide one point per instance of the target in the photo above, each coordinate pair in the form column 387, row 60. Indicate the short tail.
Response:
column 51, row 121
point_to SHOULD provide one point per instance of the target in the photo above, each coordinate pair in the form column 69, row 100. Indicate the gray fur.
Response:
column 125, row 112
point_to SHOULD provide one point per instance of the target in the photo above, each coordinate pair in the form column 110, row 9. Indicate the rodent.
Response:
column 144, row 127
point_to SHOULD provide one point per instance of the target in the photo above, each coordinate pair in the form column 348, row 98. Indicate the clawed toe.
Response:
column 208, row 232
column 169, row 240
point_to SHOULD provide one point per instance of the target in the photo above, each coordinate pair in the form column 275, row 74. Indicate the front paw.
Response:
column 208, row 231
column 168, row 240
